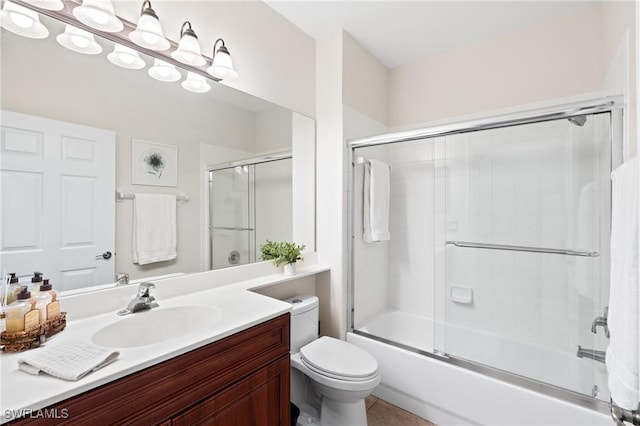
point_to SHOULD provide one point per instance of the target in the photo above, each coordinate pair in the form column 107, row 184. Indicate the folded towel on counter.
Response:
column 67, row 360
column 622, row 359
column 376, row 201
column 154, row 228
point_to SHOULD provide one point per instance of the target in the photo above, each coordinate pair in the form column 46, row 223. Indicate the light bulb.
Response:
column 150, row 38
column 195, row 83
column 21, row 20
column 125, row 57
column 163, row 71
column 99, row 16
column 81, row 42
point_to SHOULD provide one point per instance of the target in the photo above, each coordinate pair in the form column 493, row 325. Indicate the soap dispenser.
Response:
column 14, row 288
column 44, row 299
column 16, row 313
column 36, row 281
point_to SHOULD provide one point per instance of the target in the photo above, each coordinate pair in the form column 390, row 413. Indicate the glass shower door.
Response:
column 232, row 227
column 526, row 249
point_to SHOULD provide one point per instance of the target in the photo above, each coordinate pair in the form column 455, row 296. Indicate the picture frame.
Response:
column 153, row 163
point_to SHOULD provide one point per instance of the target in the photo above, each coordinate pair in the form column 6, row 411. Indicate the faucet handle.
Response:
column 601, row 321
column 143, row 289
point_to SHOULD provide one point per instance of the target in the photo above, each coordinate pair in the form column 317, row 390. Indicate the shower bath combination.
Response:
column 498, row 263
column 242, row 211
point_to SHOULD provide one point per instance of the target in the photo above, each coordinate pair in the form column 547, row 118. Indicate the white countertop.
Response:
column 239, row 307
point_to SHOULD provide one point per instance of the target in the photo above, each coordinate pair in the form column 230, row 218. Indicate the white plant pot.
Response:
column 290, row 269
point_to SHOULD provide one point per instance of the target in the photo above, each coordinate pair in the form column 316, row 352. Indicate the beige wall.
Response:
column 330, row 190
column 365, row 81
column 562, row 57
column 275, row 59
column 619, row 35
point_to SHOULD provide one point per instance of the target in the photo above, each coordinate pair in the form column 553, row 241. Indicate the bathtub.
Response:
column 449, row 394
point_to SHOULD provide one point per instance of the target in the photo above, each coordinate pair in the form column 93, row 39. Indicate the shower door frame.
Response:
column 611, row 104
column 252, row 162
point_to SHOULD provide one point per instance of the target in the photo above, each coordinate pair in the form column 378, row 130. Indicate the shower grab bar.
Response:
column 228, row 228
column 523, row 248
column 621, row 415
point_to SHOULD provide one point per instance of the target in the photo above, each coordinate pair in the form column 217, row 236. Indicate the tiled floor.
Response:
column 381, row 413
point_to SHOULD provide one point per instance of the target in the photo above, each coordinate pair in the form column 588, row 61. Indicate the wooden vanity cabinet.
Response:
column 240, row 380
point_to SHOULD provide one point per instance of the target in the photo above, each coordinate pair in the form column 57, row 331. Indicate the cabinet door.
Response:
column 261, row 399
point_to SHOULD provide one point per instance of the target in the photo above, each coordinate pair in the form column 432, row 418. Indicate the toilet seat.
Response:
column 339, row 360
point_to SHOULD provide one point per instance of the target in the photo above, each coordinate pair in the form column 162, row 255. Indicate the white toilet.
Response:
column 329, row 377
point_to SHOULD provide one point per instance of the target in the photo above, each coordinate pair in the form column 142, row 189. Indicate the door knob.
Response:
column 106, row 256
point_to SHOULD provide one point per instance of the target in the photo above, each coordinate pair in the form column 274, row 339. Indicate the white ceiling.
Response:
column 401, row 32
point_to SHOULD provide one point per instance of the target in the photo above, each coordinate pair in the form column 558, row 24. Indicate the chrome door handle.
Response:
column 106, row 256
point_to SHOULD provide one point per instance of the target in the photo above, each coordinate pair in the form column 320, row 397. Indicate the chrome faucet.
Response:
column 591, row 354
column 122, row 279
column 142, row 301
column 601, row 321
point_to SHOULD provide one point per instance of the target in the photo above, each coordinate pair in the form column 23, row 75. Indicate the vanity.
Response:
column 230, row 369
column 240, row 380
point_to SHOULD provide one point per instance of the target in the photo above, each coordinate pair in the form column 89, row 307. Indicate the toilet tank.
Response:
column 304, row 320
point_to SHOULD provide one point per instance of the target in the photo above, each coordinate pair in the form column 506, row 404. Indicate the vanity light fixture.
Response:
column 163, row 71
column 195, row 83
column 47, row 4
column 98, row 14
column 188, row 51
column 79, row 41
column 125, row 57
column 222, row 66
column 148, row 32
column 22, row 21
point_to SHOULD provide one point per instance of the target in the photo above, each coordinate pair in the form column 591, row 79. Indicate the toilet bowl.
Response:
column 339, row 373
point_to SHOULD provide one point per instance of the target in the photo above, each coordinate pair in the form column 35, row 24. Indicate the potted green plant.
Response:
column 283, row 253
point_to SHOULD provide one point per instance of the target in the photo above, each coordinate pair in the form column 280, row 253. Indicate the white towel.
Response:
column 376, row 201
column 154, row 228
column 69, row 360
column 623, row 362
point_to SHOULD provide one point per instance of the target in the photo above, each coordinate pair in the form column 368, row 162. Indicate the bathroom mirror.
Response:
column 41, row 78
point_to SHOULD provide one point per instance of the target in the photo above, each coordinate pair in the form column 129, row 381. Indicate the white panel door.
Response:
column 57, row 195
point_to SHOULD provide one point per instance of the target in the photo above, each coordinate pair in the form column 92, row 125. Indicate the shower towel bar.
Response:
column 229, row 228
column 362, row 160
column 621, row 415
column 523, row 248
column 121, row 195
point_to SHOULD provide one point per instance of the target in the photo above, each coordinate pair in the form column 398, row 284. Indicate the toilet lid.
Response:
column 338, row 359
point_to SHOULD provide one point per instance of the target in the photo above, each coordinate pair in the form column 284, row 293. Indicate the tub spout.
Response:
column 591, row 354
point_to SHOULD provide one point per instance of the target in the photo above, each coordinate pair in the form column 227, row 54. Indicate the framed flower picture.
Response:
column 153, row 163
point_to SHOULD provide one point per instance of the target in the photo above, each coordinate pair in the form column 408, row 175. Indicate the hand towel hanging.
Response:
column 154, row 228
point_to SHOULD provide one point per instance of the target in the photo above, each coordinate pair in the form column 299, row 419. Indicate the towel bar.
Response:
column 523, row 248
column 121, row 195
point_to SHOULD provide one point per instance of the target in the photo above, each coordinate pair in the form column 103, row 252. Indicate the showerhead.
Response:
column 578, row 120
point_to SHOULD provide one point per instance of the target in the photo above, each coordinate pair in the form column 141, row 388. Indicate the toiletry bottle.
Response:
column 53, row 307
column 14, row 288
column 47, row 287
column 16, row 313
column 44, row 297
column 36, row 281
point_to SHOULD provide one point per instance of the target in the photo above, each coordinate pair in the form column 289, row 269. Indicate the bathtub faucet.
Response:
column 591, row 354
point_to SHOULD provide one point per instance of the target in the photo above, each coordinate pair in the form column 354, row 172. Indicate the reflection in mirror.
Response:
column 84, row 97
column 249, row 203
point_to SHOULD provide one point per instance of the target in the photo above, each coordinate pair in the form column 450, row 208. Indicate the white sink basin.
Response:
column 156, row 325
